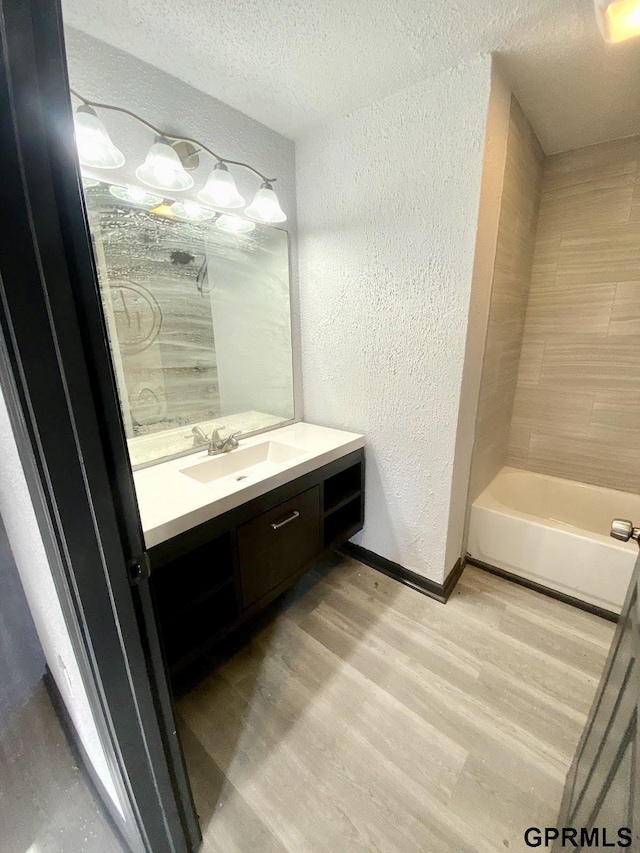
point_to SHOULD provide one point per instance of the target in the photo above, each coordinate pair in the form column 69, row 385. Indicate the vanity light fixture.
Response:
column 135, row 195
column 191, row 211
column 169, row 161
column 265, row 206
column 95, row 147
column 220, row 189
column 618, row 20
column 234, row 224
column 162, row 170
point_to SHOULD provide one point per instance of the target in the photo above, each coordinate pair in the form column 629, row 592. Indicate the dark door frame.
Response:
column 59, row 383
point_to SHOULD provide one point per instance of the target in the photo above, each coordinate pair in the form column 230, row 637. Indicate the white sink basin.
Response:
column 244, row 463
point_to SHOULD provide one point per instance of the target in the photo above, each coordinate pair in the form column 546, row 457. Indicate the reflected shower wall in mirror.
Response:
column 199, row 322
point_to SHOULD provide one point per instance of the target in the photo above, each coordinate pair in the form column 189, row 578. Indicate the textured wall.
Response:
column 22, row 662
column 19, row 519
column 103, row 73
column 577, row 409
column 512, row 273
column 388, row 206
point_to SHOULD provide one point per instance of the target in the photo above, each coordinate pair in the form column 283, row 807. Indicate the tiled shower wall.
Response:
column 510, row 289
column 577, row 404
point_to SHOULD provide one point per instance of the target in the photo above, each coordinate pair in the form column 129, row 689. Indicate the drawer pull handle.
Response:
column 295, row 514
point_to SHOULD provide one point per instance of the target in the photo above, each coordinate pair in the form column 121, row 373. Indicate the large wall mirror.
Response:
column 199, row 319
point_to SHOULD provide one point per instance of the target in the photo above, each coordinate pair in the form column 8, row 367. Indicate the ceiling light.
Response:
column 95, row 147
column 265, row 206
column 618, row 19
column 220, row 189
column 234, row 224
column 162, row 169
column 191, row 211
column 87, row 182
column 136, row 195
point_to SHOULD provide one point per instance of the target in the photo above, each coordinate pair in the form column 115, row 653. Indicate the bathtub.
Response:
column 556, row 533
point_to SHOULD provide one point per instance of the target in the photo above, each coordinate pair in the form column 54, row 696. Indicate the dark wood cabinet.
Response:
column 212, row 578
column 276, row 544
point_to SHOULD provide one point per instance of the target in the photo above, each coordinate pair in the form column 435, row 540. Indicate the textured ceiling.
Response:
column 293, row 64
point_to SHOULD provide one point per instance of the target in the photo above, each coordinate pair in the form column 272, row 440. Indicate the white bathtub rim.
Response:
column 486, row 501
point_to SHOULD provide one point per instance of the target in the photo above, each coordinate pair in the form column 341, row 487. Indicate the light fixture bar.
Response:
column 162, row 133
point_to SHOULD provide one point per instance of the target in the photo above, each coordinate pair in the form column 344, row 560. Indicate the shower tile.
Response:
column 601, row 254
column 621, row 155
column 557, row 163
column 616, row 419
column 625, row 315
column 531, row 357
column 586, row 460
column 635, row 202
column 599, row 363
column 578, row 200
column 553, row 410
column 518, row 448
column 556, row 309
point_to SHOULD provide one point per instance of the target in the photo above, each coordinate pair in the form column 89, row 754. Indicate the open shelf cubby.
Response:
column 191, row 579
column 343, row 522
column 342, row 488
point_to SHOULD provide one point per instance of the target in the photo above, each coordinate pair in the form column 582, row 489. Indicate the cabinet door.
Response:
column 277, row 544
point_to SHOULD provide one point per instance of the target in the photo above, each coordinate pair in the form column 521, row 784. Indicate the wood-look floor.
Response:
column 359, row 715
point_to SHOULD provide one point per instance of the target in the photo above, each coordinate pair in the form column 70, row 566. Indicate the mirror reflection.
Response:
column 199, row 319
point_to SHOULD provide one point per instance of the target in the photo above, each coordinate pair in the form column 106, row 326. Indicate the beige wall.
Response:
column 577, row 406
column 511, row 275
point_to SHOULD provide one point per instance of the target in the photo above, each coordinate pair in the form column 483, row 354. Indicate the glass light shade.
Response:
column 87, row 182
column 220, row 189
column 191, row 211
column 136, row 195
column 265, row 206
column 234, row 224
column 94, row 144
column 162, row 170
column 618, row 20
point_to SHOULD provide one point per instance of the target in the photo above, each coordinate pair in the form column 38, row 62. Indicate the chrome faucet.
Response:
column 222, row 445
column 200, row 436
column 216, row 444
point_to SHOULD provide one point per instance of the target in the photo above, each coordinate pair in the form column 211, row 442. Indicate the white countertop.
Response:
column 171, row 501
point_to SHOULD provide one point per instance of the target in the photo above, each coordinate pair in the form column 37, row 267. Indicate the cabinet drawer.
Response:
column 277, row 543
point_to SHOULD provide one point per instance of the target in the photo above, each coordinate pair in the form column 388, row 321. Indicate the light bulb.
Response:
column 220, row 189
column 95, row 147
column 163, row 170
column 265, row 206
column 234, row 224
column 618, row 20
column 191, row 211
column 136, row 195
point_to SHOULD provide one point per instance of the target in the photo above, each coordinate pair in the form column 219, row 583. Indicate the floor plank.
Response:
column 359, row 715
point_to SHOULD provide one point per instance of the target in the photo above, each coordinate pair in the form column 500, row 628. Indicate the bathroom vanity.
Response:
column 227, row 534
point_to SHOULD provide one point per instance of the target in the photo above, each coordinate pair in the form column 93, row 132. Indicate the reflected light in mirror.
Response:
column 94, row 144
column 135, row 195
column 191, row 211
column 162, row 170
column 234, row 224
column 163, row 210
column 619, row 20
